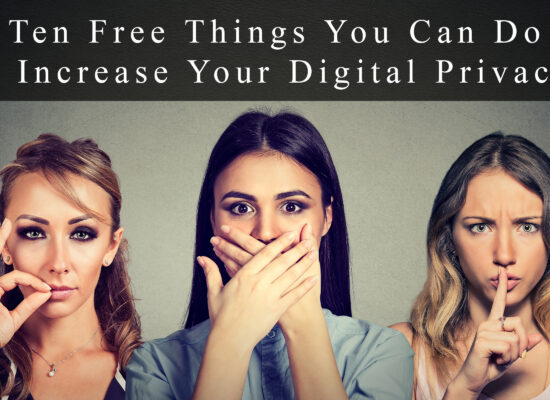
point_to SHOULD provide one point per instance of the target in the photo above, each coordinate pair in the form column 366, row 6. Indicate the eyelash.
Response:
column 36, row 233
column 534, row 226
column 295, row 203
column 299, row 205
column 473, row 227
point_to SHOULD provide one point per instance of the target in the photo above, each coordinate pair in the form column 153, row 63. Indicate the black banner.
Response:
column 276, row 50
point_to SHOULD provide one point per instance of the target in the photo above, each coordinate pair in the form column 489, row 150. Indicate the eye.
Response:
column 241, row 208
column 31, row 233
column 479, row 228
column 83, row 234
column 528, row 227
column 292, row 207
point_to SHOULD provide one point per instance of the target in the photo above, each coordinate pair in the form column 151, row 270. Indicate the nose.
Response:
column 58, row 261
column 504, row 251
column 266, row 228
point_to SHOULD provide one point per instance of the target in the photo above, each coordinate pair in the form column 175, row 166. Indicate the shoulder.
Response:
column 405, row 328
column 369, row 338
column 172, row 346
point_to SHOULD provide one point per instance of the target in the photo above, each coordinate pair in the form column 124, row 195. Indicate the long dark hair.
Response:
column 296, row 137
column 441, row 311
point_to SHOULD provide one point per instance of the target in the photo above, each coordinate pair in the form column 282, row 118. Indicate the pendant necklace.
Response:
column 52, row 365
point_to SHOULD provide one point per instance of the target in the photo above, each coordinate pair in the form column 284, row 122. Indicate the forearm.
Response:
column 312, row 363
column 457, row 390
column 223, row 369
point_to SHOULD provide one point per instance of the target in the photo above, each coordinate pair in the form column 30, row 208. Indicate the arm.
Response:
column 497, row 345
column 11, row 321
column 242, row 312
column 312, row 364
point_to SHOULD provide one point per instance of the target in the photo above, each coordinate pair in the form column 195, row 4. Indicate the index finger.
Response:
column 269, row 252
column 4, row 232
column 241, row 239
column 14, row 278
column 499, row 303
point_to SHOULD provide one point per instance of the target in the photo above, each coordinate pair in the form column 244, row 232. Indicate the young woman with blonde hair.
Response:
column 480, row 326
column 68, row 325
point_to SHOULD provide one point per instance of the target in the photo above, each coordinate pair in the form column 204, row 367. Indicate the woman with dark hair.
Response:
column 67, row 320
column 480, row 326
column 271, row 213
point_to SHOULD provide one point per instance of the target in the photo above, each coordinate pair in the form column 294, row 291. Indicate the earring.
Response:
column 7, row 260
column 106, row 262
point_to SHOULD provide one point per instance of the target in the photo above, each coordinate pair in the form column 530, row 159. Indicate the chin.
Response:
column 57, row 309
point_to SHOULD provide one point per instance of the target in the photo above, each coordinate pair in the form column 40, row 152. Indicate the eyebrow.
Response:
column 33, row 218
column 284, row 195
column 46, row 222
column 516, row 220
column 79, row 219
column 279, row 196
column 239, row 195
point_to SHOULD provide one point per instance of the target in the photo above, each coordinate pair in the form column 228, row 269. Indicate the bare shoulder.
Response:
column 405, row 328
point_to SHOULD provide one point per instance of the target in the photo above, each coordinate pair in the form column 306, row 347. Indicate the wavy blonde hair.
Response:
column 440, row 312
column 56, row 158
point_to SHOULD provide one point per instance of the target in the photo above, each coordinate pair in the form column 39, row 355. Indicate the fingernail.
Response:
column 524, row 354
column 290, row 235
column 200, row 261
column 311, row 255
column 308, row 244
column 224, row 228
column 309, row 230
column 214, row 240
column 46, row 286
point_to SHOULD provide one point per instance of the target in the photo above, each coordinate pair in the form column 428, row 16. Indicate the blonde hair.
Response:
column 440, row 314
column 56, row 158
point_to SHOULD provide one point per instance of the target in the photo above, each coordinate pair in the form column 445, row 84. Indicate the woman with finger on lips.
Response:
column 67, row 320
column 480, row 325
column 270, row 311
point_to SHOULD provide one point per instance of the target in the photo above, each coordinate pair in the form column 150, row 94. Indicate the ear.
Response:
column 113, row 247
column 328, row 218
column 6, row 256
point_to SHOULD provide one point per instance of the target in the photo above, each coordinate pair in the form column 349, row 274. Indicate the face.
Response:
column 57, row 242
column 500, row 225
column 266, row 195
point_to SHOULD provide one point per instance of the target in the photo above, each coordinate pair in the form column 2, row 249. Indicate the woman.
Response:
column 271, row 211
column 67, row 318
column 480, row 325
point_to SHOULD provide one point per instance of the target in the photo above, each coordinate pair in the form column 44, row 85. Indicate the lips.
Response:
column 513, row 281
column 61, row 292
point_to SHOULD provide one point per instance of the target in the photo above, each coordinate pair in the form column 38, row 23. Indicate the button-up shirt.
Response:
column 374, row 363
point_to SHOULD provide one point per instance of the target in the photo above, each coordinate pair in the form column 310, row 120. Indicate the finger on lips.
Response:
column 15, row 278
column 499, row 302
column 247, row 242
column 232, row 251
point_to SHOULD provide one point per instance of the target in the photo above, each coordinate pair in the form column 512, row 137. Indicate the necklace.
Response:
column 52, row 365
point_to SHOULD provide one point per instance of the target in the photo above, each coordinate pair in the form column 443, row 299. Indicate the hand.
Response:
column 248, row 306
column 498, row 343
column 11, row 321
column 236, row 248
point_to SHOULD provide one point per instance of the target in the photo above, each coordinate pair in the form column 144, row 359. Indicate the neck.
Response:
column 61, row 335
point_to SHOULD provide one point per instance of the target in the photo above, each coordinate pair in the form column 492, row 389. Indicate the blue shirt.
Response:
column 374, row 363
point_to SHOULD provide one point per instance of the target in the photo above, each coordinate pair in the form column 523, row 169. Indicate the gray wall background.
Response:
column 390, row 156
